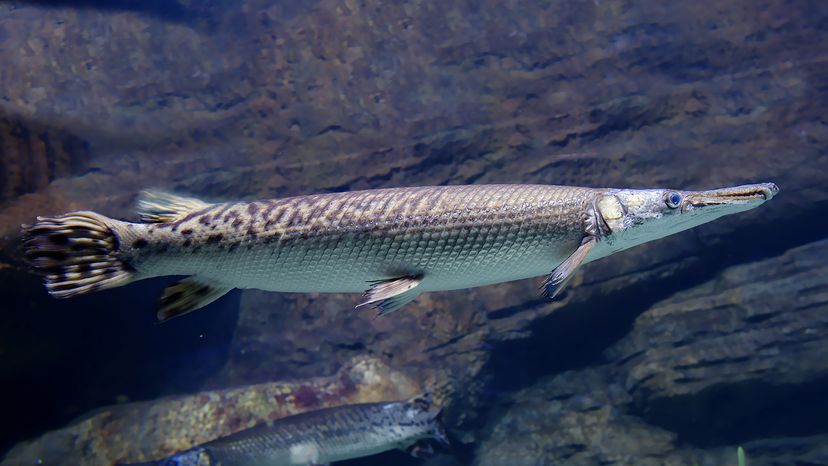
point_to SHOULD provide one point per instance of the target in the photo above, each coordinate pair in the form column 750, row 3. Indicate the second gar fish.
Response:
column 393, row 244
column 324, row 436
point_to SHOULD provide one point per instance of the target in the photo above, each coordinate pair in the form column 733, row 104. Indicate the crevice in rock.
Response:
column 734, row 413
column 161, row 9
column 35, row 154
column 575, row 336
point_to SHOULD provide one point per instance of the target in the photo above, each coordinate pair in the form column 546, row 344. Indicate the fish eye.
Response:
column 673, row 200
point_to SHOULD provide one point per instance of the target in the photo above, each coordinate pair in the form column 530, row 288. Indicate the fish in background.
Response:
column 325, row 436
column 391, row 244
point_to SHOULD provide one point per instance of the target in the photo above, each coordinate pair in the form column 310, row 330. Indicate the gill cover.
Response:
column 606, row 215
column 609, row 215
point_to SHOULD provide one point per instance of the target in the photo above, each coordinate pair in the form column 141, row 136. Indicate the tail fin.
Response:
column 425, row 403
column 76, row 253
column 439, row 434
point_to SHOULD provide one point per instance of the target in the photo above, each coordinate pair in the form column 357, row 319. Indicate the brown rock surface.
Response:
column 255, row 99
column 34, row 155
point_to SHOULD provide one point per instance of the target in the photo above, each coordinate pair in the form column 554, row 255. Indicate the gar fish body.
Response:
column 391, row 244
column 324, row 436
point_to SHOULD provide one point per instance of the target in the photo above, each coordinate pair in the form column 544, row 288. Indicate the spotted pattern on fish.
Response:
column 454, row 236
column 393, row 244
column 325, row 436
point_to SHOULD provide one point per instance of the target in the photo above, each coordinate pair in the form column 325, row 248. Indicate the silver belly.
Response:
column 349, row 265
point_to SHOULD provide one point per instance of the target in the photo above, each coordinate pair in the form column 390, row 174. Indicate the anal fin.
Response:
column 188, row 295
column 390, row 295
column 559, row 278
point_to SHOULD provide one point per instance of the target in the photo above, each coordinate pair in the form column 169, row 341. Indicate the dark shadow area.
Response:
column 67, row 357
column 395, row 457
column 576, row 336
column 42, row 153
column 733, row 414
column 212, row 15
column 168, row 10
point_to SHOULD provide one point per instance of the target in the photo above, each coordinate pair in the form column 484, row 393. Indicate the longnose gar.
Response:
column 324, row 436
column 393, row 244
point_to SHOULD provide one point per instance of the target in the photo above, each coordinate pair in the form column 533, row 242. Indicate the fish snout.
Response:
column 770, row 190
column 734, row 195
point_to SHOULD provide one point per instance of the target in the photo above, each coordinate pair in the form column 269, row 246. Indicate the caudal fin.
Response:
column 424, row 403
column 76, row 253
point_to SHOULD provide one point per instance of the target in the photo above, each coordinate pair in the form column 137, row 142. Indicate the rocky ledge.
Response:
column 739, row 359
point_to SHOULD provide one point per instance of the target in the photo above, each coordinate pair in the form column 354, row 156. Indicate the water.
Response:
column 673, row 352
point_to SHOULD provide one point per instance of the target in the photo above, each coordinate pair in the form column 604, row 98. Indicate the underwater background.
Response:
column 670, row 353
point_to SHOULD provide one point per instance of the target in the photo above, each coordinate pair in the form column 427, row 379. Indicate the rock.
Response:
column 151, row 430
column 256, row 99
column 308, row 110
column 753, row 340
column 739, row 357
column 573, row 419
column 786, row 451
column 582, row 418
column 35, row 155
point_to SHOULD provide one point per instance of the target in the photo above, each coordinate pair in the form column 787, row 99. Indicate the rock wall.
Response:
column 659, row 355
column 729, row 361
column 34, row 155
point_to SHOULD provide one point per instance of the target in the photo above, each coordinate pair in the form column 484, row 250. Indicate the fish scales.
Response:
column 325, row 436
column 455, row 236
column 328, row 435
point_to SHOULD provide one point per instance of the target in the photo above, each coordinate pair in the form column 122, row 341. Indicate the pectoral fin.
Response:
column 188, row 295
column 557, row 280
column 390, row 295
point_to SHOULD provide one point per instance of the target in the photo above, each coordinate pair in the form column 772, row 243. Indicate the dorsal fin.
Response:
column 162, row 207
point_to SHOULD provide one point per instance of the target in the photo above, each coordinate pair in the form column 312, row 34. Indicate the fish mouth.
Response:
column 737, row 195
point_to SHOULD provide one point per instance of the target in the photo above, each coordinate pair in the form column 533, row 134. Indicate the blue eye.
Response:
column 674, row 200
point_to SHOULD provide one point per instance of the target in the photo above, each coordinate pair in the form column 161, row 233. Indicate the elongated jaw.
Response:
column 629, row 217
column 750, row 196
